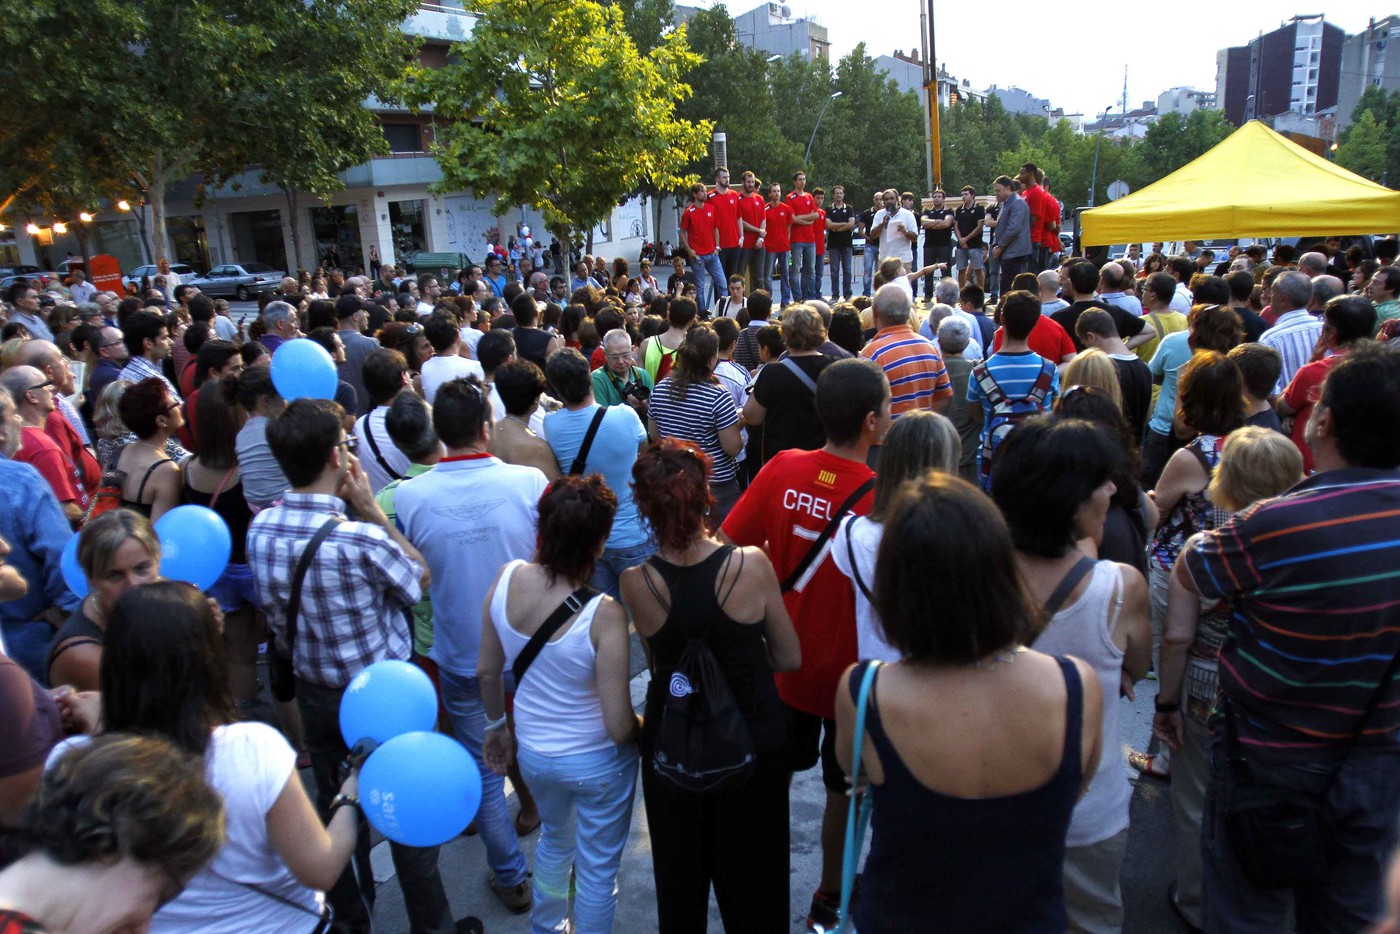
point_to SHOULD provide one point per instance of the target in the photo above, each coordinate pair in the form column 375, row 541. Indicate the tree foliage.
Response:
column 165, row 89
column 1375, row 119
column 551, row 105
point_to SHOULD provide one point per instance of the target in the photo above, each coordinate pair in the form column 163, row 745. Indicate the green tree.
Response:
column 166, row 89
column 1172, row 141
column 1364, row 149
column 872, row 136
column 646, row 21
column 556, row 109
column 1384, row 108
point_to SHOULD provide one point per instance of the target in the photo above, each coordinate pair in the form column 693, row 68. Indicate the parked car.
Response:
column 32, row 274
column 239, row 280
column 8, row 271
column 132, row 280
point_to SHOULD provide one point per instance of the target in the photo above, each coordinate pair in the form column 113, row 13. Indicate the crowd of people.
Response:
column 895, row 521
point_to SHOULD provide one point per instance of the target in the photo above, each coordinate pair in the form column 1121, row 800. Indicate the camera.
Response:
column 635, row 390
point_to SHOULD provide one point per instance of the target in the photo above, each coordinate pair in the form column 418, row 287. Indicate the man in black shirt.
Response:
column 840, row 224
column 1241, row 285
column 871, row 257
column 1083, row 281
column 680, row 277
column 971, row 253
column 937, row 224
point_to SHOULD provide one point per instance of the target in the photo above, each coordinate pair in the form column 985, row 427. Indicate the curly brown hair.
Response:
column 1210, row 394
column 1213, row 327
column 576, row 515
column 670, row 485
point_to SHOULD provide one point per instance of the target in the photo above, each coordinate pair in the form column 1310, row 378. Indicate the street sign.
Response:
column 1118, row 189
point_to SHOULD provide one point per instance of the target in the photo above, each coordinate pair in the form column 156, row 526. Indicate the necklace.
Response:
column 152, row 447
column 994, row 659
column 521, row 422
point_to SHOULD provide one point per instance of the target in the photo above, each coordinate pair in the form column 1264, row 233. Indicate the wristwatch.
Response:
column 341, row 800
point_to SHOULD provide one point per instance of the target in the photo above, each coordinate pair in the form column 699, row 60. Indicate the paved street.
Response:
column 463, row 862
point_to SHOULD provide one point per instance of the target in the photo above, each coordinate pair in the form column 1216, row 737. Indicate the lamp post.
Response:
column 1098, row 143
column 807, row 155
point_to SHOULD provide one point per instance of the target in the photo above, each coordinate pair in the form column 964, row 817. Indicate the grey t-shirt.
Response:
column 263, row 480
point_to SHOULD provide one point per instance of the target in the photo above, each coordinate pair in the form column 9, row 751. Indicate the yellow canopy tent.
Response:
column 1255, row 183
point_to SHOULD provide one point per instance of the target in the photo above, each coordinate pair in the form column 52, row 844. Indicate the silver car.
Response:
column 239, row 280
column 132, row 280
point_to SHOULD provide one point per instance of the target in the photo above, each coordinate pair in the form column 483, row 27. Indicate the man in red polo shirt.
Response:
column 725, row 201
column 818, row 196
column 1048, row 339
column 804, row 239
column 1039, row 202
column 700, row 238
column 751, row 216
column 777, row 219
column 791, row 501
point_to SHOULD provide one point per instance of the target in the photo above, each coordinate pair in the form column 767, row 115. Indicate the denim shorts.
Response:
column 969, row 257
column 234, row 589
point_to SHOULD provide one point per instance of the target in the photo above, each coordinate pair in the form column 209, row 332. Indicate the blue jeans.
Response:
column 1364, row 802
column 817, row 278
column 781, row 260
column 608, row 571
column 751, row 262
column 868, row 261
column 840, row 260
column 800, row 272
column 462, row 698
column 585, row 803
column 708, row 273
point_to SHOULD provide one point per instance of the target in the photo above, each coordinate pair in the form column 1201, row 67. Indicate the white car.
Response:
column 132, row 280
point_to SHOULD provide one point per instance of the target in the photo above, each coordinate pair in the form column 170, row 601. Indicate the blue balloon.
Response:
column 301, row 369
column 73, row 574
column 387, row 699
column 194, row 545
column 420, row 789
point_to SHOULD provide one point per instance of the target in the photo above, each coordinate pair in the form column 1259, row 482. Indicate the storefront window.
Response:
column 409, row 221
column 337, row 232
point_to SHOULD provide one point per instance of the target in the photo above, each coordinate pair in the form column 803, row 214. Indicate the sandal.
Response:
column 524, row 830
column 1146, row 764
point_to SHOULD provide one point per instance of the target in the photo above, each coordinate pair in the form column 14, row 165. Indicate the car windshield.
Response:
column 257, row 267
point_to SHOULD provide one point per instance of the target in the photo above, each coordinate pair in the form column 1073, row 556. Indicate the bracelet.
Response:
column 493, row 725
column 1172, row 707
column 342, row 800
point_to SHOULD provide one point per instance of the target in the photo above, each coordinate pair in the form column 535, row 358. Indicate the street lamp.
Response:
column 807, row 155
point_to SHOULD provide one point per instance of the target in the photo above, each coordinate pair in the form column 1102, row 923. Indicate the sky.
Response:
column 1164, row 45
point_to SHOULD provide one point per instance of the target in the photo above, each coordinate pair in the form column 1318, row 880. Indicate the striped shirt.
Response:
column 1313, row 578
column 707, row 409
column 354, row 595
column 139, row 368
column 1294, row 335
column 1016, row 374
column 913, row 366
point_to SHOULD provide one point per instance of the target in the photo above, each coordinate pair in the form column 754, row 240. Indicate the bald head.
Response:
column 45, row 357
column 1312, row 265
column 1049, row 282
column 23, row 382
column 1292, row 291
column 1324, row 289
column 288, row 286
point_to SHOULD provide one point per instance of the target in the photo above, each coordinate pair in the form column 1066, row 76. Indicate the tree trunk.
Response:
column 291, row 194
column 155, row 196
column 589, row 248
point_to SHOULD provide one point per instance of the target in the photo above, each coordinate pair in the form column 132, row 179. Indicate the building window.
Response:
column 403, row 137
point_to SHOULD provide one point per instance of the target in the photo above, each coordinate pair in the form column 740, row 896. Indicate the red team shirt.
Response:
column 1048, row 338
column 820, row 228
column 726, row 217
column 699, row 223
column 779, row 219
column 784, row 511
column 751, row 211
column 802, row 204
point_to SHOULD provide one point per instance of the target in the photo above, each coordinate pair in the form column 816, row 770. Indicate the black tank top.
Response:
column 80, row 630
column 136, row 505
column 738, row 647
column 941, row 863
column 232, row 508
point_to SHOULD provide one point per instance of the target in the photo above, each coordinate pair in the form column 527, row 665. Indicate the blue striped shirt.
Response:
column 1016, row 374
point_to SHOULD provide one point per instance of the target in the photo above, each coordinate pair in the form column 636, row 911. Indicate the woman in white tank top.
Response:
column 574, row 722
column 1052, row 482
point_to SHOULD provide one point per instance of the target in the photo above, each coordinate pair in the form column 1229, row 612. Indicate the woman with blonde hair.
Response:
column 921, row 441
column 1093, row 367
column 1255, row 464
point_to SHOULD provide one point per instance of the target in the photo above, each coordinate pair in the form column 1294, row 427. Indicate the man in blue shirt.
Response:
column 494, row 277
column 612, row 453
column 36, row 530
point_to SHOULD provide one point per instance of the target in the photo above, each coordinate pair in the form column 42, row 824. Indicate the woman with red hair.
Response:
column 697, row 588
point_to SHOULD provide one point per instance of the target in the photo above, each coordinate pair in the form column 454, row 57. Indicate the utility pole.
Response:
column 1125, row 90
column 932, row 141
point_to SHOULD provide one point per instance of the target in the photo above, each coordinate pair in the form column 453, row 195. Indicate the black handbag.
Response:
column 1283, row 838
column 280, row 675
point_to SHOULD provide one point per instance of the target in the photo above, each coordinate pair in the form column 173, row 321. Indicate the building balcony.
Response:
column 445, row 23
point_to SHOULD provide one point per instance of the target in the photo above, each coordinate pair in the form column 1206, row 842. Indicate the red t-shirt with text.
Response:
column 699, row 222
column 802, row 203
column 779, row 220
column 785, row 510
column 726, row 207
column 751, row 211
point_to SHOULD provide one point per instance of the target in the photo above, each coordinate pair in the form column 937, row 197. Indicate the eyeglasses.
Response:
column 46, row 384
column 619, row 356
column 170, row 408
column 351, row 444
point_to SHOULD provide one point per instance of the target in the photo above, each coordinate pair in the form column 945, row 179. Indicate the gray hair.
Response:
column 105, row 415
column 1312, row 264
column 954, row 334
column 277, row 312
column 1049, row 280
column 1324, row 289
column 20, row 379
column 892, row 303
column 617, row 335
column 946, row 291
column 1293, row 289
column 88, row 309
column 940, row 312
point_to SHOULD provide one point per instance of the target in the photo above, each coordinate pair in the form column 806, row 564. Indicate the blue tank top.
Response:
column 942, row 863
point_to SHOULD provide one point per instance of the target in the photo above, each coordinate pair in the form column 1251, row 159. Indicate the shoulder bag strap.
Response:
column 857, row 815
column 572, row 604
column 856, row 496
column 303, row 566
column 576, row 470
column 1157, row 325
column 374, row 447
column 791, row 366
column 851, row 558
column 1071, row 580
column 220, row 488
